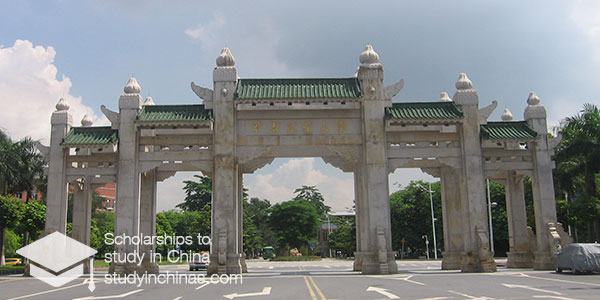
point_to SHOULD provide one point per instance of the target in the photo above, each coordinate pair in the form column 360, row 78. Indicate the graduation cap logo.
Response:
column 57, row 259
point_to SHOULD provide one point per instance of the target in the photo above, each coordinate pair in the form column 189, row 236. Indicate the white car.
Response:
column 579, row 258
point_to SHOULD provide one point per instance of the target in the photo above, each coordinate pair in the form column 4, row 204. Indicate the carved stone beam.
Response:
column 163, row 175
column 435, row 172
column 112, row 116
column 339, row 163
column 393, row 164
column 452, row 162
column 148, row 165
column 484, row 113
column 255, row 164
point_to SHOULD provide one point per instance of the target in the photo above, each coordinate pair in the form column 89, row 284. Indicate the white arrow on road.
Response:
column 383, row 292
column 530, row 288
column 109, row 297
column 265, row 291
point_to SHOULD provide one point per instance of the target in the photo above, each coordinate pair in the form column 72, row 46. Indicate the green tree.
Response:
column 257, row 232
column 20, row 165
column 102, row 222
column 312, row 195
column 10, row 213
column 343, row 238
column 198, row 195
column 578, row 165
column 295, row 222
column 411, row 217
column 33, row 219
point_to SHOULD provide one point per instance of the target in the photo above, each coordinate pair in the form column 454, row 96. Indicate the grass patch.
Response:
column 9, row 268
column 296, row 258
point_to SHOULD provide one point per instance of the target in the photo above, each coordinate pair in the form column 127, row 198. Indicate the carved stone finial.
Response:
column 463, row 82
column 62, row 105
column 132, row 86
column 533, row 99
column 369, row 56
column 444, row 97
column 149, row 101
column 507, row 115
column 225, row 59
column 86, row 121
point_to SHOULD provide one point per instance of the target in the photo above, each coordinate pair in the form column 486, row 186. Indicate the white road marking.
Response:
column 271, row 268
column 110, row 296
column 407, row 278
column 559, row 280
column 178, row 298
column 48, row 291
column 435, row 298
column 265, row 291
column 382, row 291
column 202, row 285
column 512, row 286
column 554, row 297
column 472, row 297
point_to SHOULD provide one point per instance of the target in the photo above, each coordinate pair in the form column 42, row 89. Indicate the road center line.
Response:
column 317, row 288
column 202, row 285
column 310, row 290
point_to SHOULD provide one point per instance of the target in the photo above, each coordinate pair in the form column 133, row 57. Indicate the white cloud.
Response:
column 29, row 90
column 207, row 33
column 586, row 15
column 279, row 185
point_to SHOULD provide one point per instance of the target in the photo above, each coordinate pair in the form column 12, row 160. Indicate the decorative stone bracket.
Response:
column 204, row 93
column 112, row 116
column 484, row 113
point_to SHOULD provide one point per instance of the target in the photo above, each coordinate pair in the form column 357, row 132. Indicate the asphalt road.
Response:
column 328, row 279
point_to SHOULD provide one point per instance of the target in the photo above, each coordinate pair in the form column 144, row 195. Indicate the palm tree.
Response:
column 578, row 160
column 312, row 195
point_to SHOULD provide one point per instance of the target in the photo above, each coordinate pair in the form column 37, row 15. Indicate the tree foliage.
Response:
column 314, row 197
column 343, row 238
column 295, row 222
column 198, row 195
column 20, row 165
column 10, row 213
column 578, row 166
column 257, row 233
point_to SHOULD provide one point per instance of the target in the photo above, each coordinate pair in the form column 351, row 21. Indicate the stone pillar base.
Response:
column 543, row 261
column 451, row 260
column 123, row 268
column 471, row 263
column 149, row 268
column 243, row 263
column 519, row 259
column 358, row 261
column 233, row 265
column 371, row 264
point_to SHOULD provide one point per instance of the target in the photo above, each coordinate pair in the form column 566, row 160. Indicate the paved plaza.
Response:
column 328, row 279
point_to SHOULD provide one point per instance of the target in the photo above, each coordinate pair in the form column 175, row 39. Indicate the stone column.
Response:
column 542, row 184
column 225, row 257
column 361, row 218
column 82, row 214
column 477, row 256
column 128, row 179
column 148, row 220
column 519, row 255
column 378, row 257
column 56, row 198
column 452, row 217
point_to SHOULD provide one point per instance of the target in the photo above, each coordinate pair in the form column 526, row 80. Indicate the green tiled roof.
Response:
column 80, row 136
column 423, row 111
column 299, row 88
column 174, row 113
column 517, row 130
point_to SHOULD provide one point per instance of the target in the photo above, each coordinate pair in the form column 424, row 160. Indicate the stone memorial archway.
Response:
column 243, row 124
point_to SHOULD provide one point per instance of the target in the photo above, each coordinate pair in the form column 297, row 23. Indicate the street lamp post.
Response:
column 490, row 206
column 430, row 191
column 426, row 244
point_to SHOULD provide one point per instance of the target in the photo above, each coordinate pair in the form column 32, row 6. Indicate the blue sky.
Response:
column 86, row 50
